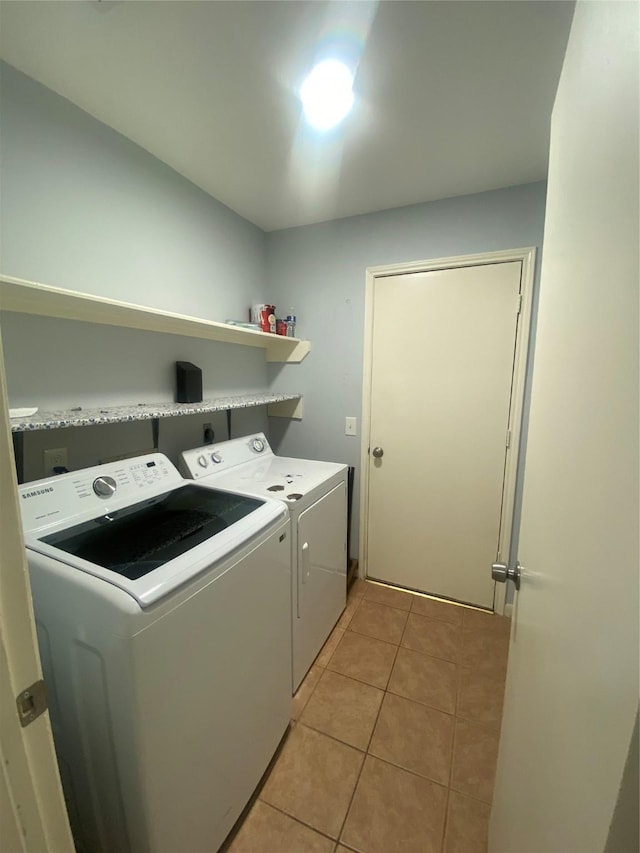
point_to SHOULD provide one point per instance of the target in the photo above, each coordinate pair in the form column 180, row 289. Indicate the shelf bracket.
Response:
column 18, row 453
column 295, row 356
column 286, row 409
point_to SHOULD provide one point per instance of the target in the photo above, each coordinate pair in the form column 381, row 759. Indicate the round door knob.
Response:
column 378, row 452
column 104, row 487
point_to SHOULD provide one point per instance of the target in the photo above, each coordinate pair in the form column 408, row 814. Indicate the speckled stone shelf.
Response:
column 280, row 405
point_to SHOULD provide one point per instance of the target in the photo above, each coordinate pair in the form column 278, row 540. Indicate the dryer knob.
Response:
column 203, row 461
column 258, row 445
column 104, row 487
column 215, row 457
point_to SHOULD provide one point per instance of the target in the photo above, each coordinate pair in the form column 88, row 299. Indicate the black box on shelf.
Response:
column 188, row 383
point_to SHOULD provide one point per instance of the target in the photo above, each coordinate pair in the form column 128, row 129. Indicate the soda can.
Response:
column 265, row 316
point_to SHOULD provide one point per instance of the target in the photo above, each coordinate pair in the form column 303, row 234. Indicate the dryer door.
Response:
column 321, row 578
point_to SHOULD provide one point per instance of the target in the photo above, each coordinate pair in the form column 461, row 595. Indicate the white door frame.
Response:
column 34, row 816
column 527, row 257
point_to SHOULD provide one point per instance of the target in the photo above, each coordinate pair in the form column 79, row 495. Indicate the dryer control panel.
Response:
column 216, row 458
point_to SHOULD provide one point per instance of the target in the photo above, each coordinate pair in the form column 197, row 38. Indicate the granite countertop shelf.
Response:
column 29, row 297
column 280, row 405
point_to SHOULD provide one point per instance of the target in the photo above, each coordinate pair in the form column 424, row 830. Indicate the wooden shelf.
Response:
column 279, row 405
column 28, row 297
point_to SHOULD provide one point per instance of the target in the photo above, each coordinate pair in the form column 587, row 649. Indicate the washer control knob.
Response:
column 215, row 457
column 104, row 487
column 258, row 445
column 203, row 461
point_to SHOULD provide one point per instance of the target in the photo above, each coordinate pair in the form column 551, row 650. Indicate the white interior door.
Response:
column 572, row 686
column 440, row 402
column 32, row 812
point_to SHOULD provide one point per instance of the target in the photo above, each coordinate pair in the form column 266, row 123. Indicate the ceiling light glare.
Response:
column 327, row 94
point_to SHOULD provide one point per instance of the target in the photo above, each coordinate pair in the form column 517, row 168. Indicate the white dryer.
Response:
column 316, row 495
column 162, row 611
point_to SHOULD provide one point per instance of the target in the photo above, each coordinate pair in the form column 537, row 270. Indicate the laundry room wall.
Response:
column 320, row 271
column 84, row 208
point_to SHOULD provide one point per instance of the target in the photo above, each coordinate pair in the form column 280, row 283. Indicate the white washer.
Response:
column 162, row 609
column 316, row 495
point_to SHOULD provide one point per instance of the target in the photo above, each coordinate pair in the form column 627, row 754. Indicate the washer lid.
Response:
column 151, row 547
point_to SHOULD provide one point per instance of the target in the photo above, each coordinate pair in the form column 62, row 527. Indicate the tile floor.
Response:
column 394, row 734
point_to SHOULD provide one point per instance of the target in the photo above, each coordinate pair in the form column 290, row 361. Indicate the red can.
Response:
column 264, row 316
column 281, row 327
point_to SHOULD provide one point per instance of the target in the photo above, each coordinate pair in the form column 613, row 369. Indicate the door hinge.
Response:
column 519, row 304
column 508, row 439
column 31, row 702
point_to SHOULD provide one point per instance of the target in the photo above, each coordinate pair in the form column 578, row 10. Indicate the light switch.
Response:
column 351, row 426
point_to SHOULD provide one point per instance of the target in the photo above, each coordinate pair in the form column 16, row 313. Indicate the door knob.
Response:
column 378, row 452
column 501, row 573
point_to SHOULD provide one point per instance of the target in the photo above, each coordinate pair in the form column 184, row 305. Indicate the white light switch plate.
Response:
column 351, row 426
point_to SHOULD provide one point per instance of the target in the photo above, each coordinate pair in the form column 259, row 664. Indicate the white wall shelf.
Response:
column 278, row 405
column 28, row 297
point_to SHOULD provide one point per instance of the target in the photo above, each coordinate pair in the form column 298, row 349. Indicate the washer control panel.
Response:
column 104, row 486
column 90, row 490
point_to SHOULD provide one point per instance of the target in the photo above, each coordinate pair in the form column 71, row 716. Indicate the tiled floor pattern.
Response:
column 395, row 734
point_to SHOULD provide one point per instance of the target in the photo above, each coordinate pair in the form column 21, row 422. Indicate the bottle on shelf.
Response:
column 291, row 324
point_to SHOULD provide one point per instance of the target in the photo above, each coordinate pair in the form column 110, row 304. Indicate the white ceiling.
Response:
column 451, row 97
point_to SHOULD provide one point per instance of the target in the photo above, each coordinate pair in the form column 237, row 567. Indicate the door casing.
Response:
column 527, row 257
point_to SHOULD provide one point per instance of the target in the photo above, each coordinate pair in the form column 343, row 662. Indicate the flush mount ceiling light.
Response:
column 327, row 94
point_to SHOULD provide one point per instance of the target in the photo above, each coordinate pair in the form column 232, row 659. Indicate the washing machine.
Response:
column 162, row 612
column 315, row 494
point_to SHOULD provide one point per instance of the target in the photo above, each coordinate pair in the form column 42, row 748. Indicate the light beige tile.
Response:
column 437, row 609
column 394, row 811
column 343, row 708
column 364, row 659
column 303, row 693
column 480, row 695
column 415, row 737
column 467, row 825
column 330, row 646
column 379, row 621
column 484, row 650
column 482, row 620
column 313, row 779
column 387, row 595
column 352, row 605
column 433, row 637
column 475, row 753
column 357, row 588
column 425, row 679
column 266, row 830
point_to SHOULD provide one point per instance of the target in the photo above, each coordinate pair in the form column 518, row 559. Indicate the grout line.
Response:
column 300, row 821
column 333, row 737
column 351, row 798
column 445, row 822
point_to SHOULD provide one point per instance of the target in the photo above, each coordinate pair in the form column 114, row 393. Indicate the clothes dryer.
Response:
column 316, row 496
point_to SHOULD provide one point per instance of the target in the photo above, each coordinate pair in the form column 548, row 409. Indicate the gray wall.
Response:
column 84, row 208
column 320, row 271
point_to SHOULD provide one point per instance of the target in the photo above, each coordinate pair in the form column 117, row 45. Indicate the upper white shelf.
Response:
column 29, row 297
